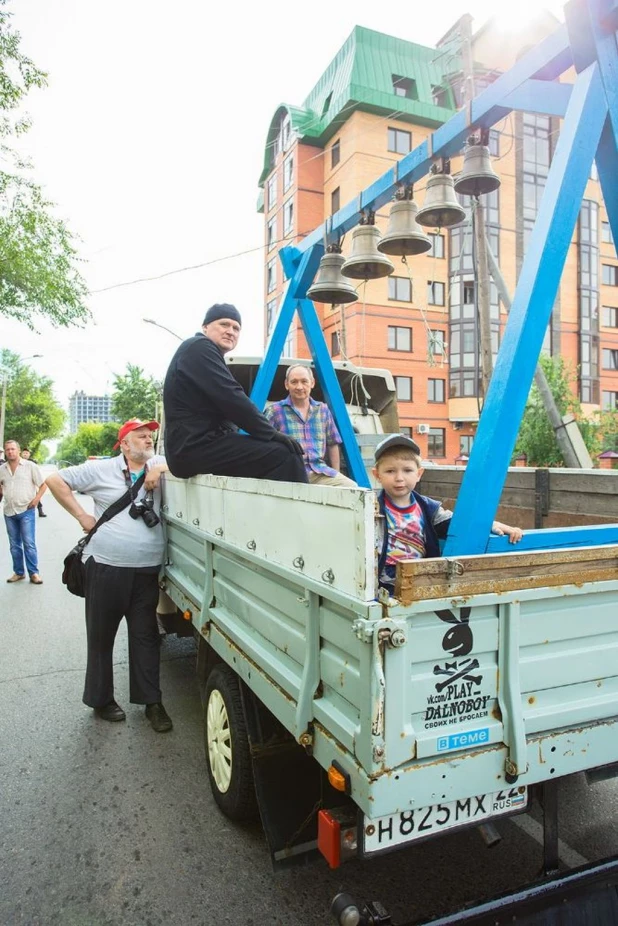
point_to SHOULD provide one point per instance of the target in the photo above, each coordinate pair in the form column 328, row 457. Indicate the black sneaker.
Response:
column 158, row 717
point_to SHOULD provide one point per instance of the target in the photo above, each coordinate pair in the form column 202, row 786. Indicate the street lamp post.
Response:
column 151, row 321
column 5, row 380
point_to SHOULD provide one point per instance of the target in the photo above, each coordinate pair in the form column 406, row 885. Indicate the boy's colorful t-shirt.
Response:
column 406, row 532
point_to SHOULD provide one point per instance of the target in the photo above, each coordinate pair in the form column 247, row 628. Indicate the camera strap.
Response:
column 116, row 507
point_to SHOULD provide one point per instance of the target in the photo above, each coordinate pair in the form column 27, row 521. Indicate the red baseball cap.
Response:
column 132, row 425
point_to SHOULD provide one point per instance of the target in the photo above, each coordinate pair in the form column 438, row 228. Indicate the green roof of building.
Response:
column 360, row 77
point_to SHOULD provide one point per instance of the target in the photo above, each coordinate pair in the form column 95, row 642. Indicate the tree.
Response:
column 91, row 439
column 32, row 412
column 38, row 272
column 536, row 436
column 608, row 429
column 135, row 395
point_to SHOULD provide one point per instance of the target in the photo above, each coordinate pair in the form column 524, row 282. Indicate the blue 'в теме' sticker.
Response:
column 463, row 740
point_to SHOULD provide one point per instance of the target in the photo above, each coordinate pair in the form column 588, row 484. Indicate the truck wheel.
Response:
column 228, row 759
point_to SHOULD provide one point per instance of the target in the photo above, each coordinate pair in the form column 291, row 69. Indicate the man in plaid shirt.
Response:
column 311, row 424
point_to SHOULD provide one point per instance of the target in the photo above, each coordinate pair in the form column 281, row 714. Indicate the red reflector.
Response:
column 329, row 838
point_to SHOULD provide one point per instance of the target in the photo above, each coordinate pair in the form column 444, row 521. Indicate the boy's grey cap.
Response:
column 396, row 440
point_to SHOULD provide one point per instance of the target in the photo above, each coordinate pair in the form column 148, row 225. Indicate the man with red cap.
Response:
column 205, row 407
column 122, row 562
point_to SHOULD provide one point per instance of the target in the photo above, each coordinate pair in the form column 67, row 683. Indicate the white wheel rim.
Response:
column 219, row 741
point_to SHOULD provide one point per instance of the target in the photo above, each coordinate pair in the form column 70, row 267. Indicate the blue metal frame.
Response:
column 590, row 111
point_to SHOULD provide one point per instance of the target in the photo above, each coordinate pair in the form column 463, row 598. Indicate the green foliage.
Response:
column 91, row 439
column 38, row 273
column 536, row 436
column 608, row 429
column 32, row 412
column 135, row 395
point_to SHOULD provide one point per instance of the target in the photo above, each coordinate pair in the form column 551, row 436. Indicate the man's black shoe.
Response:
column 158, row 717
column 42, row 514
column 111, row 711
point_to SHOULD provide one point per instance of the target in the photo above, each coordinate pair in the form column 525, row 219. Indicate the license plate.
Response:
column 387, row 832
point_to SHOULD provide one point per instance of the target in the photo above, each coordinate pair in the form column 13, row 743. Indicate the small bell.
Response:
column 477, row 175
column 329, row 285
column 365, row 262
column 404, row 236
column 440, row 209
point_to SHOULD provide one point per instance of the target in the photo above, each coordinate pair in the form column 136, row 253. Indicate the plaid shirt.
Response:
column 315, row 434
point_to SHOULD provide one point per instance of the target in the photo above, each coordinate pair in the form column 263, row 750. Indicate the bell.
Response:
column 365, row 262
column 404, row 236
column 440, row 209
column 329, row 286
column 477, row 175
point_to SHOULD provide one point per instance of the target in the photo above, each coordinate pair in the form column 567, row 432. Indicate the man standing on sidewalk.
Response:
column 22, row 486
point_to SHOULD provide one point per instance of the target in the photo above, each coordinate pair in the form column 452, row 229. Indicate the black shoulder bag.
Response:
column 73, row 574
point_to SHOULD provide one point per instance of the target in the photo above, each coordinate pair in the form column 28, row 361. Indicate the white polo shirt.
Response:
column 123, row 541
column 20, row 487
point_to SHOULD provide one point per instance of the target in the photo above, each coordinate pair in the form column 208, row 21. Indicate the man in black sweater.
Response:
column 205, row 407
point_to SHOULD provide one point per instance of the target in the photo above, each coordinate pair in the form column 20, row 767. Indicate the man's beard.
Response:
column 141, row 456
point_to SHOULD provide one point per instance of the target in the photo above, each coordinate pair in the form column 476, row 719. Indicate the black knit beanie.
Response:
column 222, row 310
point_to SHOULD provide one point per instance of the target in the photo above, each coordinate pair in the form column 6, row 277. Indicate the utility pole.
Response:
column 3, row 407
column 565, row 427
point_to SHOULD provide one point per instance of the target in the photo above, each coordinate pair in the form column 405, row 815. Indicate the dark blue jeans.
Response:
column 20, row 528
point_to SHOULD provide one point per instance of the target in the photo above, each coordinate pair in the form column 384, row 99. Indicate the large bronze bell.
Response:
column 329, row 286
column 365, row 262
column 477, row 175
column 440, row 209
column 404, row 236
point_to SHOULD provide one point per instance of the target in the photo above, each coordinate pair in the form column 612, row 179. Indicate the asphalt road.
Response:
column 113, row 825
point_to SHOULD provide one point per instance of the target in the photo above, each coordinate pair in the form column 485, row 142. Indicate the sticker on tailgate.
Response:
column 459, row 696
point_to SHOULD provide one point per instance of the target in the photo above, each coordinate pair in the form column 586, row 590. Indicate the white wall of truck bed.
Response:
column 323, row 532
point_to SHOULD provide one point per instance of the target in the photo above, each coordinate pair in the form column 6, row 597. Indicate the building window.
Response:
column 610, row 400
column 435, row 443
column 435, row 293
column 606, row 233
column 398, row 141
column 335, row 201
column 610, row 359
column 403, row 388
column 440, row 96
column 406, row 431
column 288, row 217
column 437, row 245
column 435, row 390
column 404, row 86
column 436, row 341
column 465, row 443
column 588, row 285
column 271, row 314
column 400, row 289
column 335, row 154
column 272, row 191
column 610, row 275
column 288, row 173
column 610, row 317
column 494, row 143
column 288, row 347
column 335, row 344
column 271, row 275
column 399, row 338
column 327, row 103
column 271, row 233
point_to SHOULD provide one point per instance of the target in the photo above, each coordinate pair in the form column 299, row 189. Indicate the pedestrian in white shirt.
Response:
column 22, row 486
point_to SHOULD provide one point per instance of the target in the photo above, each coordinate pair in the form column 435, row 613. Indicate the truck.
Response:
column 354, row 723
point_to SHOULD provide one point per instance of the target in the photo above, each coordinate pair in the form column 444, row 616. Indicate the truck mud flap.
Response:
column 586, row 896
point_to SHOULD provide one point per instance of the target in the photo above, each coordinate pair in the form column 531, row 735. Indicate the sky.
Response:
column 149, row 138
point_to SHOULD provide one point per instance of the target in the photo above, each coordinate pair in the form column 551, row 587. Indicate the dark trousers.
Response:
column 114, row 592
column 236, row 454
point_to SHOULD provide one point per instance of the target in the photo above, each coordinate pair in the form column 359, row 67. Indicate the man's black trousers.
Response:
column 114, row 592
column 236, row 454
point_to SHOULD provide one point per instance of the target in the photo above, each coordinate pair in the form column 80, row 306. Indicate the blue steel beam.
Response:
column 538, row 283
column 540, row 96
column 548, row 60
column 556, row 538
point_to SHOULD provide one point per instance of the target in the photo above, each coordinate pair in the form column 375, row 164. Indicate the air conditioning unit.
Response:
column 422, row 429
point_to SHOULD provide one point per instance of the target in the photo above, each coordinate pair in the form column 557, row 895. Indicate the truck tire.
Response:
column 228, row 758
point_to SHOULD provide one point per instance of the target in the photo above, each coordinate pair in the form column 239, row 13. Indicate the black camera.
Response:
column 145, row 509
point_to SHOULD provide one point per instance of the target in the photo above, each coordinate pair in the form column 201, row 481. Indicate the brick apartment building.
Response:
column 379, row 98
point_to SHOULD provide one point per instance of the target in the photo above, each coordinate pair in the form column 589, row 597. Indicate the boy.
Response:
column 414, row 523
